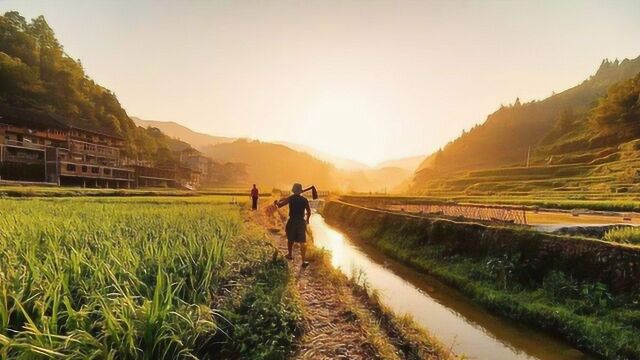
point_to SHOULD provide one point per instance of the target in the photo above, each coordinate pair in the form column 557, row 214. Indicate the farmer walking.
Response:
column 296, row 227
column 255, row 194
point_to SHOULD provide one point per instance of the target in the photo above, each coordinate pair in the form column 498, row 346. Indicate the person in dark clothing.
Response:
column 296, row 228
column 255, row 194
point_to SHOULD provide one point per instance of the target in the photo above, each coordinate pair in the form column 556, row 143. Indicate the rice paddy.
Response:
column 623, row 235
column 136, row 278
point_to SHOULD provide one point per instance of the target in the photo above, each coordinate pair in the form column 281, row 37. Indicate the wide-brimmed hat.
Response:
column 296, row 189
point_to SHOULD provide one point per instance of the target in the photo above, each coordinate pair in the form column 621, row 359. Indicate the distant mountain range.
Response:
column 201, row 140
column 410, row 163
column 177, row 131
column 339, row 162
column 279, row 164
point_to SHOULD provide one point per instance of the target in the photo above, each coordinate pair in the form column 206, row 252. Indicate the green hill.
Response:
column 36, row 73
column 587, row 152
column 573, row 142
column 505, row 137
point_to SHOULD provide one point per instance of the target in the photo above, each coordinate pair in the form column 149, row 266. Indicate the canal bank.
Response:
column 464, row 327
column 340, row 319
column 493, row 269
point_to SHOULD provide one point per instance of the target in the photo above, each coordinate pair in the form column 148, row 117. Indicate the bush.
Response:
column 560, row 287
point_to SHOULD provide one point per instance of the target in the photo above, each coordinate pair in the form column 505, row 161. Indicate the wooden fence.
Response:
column 479, row 212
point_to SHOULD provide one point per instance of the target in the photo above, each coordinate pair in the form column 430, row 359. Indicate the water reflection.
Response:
column 455, row 321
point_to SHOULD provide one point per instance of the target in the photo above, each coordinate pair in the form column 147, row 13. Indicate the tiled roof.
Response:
column 30, row 118
column 37, row 119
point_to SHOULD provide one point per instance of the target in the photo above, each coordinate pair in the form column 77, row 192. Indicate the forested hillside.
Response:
column 537, row 130
column 614, row 119
column 592, row 148
column 36, row 73
column 507, row 134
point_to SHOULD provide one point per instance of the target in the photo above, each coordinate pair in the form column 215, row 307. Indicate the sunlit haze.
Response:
column 366, row 80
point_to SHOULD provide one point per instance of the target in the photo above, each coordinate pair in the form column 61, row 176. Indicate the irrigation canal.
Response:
column 464, row 327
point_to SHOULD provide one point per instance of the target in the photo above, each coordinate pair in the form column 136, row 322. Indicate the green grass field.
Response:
column 139, row 278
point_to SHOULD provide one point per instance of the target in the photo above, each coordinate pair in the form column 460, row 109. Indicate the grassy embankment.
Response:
column 140, row 278
column 586, row 313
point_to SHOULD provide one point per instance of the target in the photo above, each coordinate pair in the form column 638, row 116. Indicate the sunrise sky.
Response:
column 368, row 80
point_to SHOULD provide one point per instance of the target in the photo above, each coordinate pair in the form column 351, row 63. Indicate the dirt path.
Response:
column 340, row 319
column 337, row 323
column 332, row 329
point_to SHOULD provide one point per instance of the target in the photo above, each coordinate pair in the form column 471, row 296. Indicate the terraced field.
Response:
column 601, row 179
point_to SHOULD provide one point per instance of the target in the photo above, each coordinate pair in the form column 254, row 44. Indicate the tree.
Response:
column 621, row 105
column 36, row 73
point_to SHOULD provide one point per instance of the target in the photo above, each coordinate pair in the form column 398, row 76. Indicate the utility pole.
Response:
column 528, row 156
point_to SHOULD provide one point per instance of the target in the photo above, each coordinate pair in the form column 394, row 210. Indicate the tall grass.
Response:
column 81, row 279
column 623, row 235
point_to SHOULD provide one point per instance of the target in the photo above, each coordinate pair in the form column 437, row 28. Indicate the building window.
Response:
column 84, row 169
column 71, row 167
column 95, row 170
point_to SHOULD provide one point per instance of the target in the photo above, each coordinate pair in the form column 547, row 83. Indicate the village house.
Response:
column 36, row 147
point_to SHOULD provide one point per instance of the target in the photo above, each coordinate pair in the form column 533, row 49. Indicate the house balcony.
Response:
column 81, row 147
column 85, row 170
column 24, row 145
column 58, row 135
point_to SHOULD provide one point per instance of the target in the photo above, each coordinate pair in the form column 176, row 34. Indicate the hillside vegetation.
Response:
column 36, row 73
column 578, row 143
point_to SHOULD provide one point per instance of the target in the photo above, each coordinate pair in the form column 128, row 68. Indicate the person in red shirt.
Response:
column 255, row 194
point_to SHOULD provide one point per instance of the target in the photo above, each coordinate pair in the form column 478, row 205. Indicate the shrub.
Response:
column 559, row 286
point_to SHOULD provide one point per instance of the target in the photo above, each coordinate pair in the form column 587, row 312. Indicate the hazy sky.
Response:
column 368, row 80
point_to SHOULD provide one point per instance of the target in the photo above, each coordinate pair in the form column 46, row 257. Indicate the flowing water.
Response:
column 444, row 312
